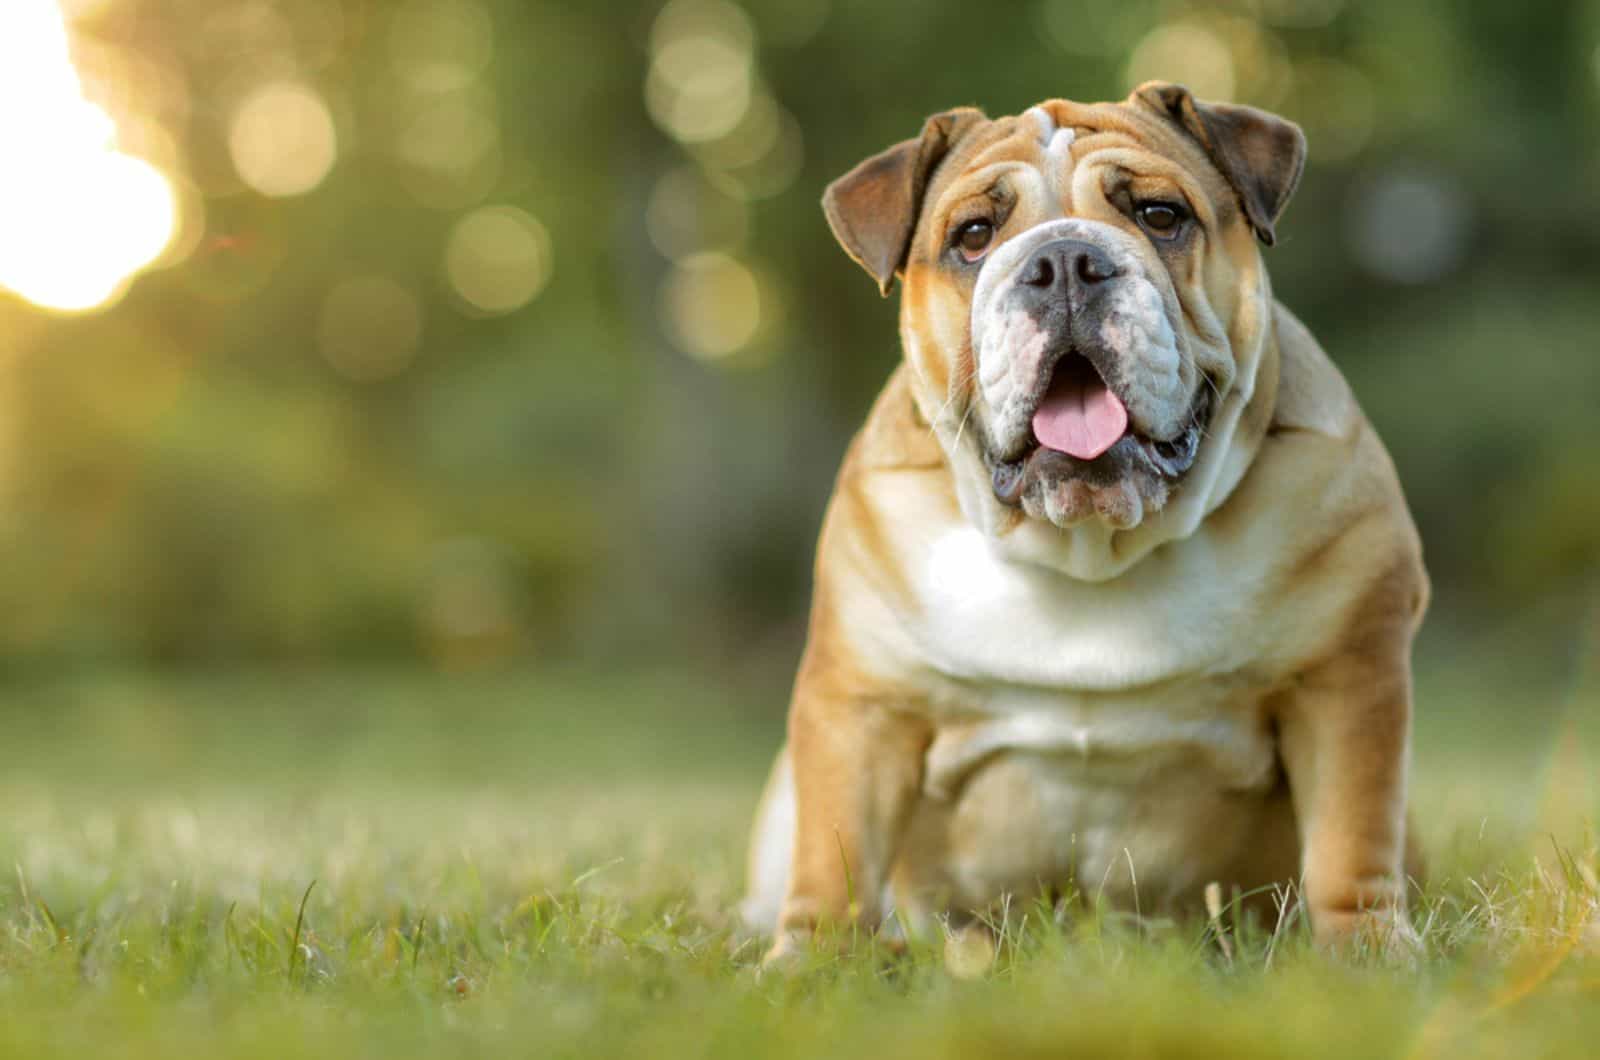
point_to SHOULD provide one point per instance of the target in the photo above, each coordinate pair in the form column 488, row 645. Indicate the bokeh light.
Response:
column 761, row 157
column 794, row 22
column 1408, row 226
column 1093, row 30
column 283, row 140
column 701, row 77
column 1335, row 103
column 750, row 141
column 1187, row 52
column 711, row 305
column 440, row 45
column 498, row 258
column 1217, row 55
column 255, row 38
column 447, row 137
column 687, row 214
column 369, row 328
column 705, row 91
column 449, row 148
column 1262, row 70
column 79, row 218
column 322, row 30
column 1300, row 14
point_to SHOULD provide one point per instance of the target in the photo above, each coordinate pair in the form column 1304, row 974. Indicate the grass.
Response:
column 390, row 864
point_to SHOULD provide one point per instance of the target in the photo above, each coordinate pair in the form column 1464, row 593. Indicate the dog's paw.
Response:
column 1398, row 942
column 798, row 950
column 786, row 955
column 1384, row 933
column 969, row 951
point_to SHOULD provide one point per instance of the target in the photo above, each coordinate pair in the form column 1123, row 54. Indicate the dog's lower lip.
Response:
column 1168, row 458
column 1007, row 480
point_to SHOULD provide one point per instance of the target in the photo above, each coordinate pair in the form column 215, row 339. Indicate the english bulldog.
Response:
column 1116, row 591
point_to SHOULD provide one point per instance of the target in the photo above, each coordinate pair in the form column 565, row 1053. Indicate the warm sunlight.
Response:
column 78, row 218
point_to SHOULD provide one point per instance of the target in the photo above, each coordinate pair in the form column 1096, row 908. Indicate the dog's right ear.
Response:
column 873, row 208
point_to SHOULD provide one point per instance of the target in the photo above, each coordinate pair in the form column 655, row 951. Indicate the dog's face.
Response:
column 1082, row 288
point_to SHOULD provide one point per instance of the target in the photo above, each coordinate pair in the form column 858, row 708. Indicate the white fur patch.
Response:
column 989, row 620
column 1058, row 150
column 1082, row 672
column 1057, row 142
column 1043, row 121
column 771, row 850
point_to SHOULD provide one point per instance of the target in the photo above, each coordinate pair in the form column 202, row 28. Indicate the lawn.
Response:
column 402, row 864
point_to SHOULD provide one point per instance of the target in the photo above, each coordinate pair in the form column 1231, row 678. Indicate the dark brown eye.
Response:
column 973, row 238
column 1162, row 219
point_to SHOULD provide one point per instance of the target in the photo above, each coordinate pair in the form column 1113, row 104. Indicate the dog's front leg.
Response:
column 1345, row 741
column 857, row 773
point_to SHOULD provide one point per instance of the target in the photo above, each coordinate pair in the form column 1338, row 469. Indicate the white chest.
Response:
column 1130, row 678
column 987, row 620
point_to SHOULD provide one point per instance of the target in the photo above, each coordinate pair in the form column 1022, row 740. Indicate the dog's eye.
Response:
column 1161, row 219
column 973, row 239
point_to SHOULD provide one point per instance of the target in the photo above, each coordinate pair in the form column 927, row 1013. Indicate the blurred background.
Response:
column 496, row 333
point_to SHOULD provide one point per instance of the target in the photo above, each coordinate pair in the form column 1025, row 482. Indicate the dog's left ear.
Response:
column 873, row 209
column 1260, row 154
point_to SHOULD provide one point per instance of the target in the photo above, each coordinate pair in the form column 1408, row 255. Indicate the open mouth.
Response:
column 1082, row 423
column 1079, row 414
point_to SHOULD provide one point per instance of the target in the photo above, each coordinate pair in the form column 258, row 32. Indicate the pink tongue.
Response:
column 1079, row 414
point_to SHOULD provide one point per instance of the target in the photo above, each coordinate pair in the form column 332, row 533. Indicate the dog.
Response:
column 1116, row 590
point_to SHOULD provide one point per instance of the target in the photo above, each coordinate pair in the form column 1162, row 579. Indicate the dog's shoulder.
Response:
column 1325, row 493
column 1312, row 393
column 1321, row 455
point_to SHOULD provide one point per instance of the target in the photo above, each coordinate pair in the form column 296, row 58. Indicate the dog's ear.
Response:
column 873, row 208
column 1259, row 153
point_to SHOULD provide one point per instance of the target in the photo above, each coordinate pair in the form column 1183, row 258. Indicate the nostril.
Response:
column 1094, row 267
column 1040, row 272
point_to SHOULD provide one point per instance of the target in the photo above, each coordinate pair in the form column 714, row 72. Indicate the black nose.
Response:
column 1061, row 265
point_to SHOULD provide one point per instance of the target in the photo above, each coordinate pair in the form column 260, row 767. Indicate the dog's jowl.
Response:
column 1116, row 592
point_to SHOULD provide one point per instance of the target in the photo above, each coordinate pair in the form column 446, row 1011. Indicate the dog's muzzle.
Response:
column 1079, row 363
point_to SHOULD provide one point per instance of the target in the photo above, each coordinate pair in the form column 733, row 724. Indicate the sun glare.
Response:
column 78, row 218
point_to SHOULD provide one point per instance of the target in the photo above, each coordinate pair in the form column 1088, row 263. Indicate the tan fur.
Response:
column 1247, row 717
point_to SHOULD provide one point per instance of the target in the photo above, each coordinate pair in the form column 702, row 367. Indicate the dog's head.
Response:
column 1084, row 304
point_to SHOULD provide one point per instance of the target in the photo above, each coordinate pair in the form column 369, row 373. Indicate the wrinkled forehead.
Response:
column 1049, row 139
